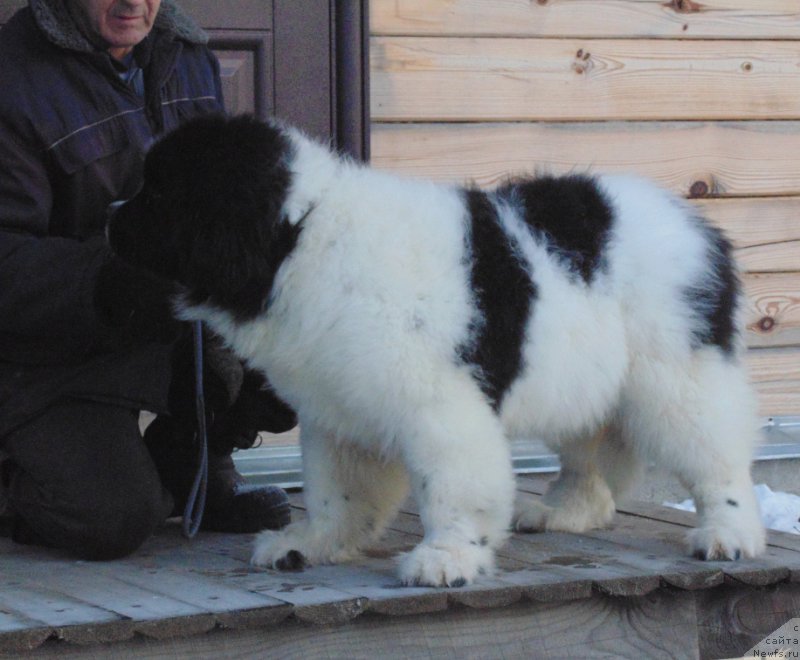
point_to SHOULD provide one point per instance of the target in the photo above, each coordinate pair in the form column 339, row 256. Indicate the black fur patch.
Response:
column 503, row 293
column 717, row 296
column 569, row 215
column 292, row 561
column 210, row 213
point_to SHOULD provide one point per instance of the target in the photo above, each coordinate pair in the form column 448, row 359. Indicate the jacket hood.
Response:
column 55, row 20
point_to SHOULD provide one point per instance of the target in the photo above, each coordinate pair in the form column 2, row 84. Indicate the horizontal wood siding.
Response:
column 765, row 230
column 681, row 19
column 703, row 97
column 773, row 312
column 713, row 158
column 776, row 376
column 499, row 79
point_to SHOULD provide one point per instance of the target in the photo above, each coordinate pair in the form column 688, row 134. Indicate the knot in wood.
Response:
column 684, row 6
column 698, row 189
column 766, row 324
column 582, row 63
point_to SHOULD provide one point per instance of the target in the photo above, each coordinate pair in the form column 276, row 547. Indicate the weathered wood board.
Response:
column 517, row 79
column 776, row 376
column 683, row 19
column 773, row 313
column 629, row 591
column 765, row 230
column 691, row 158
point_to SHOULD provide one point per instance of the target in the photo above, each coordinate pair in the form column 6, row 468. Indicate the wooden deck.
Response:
column 628, row 591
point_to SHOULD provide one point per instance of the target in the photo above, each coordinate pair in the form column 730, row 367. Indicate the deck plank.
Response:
column 375, row 580
column 536, row 484
column 38, row 606
column 89, row 584
column 614, row 566
column 659, row 531
column 207, row 595
column 601, row 592
column 12, row 620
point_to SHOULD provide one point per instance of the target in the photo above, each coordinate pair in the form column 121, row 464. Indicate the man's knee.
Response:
column 82, row 480
column 112, row 525
column 118, row 528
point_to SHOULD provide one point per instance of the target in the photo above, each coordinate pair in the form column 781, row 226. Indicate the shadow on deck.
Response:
column 628, row 591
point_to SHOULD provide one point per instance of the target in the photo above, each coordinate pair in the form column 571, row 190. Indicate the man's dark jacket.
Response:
column 72, row 139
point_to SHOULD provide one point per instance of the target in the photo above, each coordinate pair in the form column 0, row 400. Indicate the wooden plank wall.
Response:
column 703, row 96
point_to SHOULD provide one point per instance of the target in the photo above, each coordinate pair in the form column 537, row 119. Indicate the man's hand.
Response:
column 239, row 402
column 257, row 408
column 136, row 303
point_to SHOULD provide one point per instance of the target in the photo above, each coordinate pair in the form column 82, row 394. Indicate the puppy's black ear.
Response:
column 241, row 234
column 233, row 263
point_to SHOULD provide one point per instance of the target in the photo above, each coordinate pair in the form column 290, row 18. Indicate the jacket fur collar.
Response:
column 54, row 19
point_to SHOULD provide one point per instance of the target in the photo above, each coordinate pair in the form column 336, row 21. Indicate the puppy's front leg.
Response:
column 350, row 495
column 461, row 475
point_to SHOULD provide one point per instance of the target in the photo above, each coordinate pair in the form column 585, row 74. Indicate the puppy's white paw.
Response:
column 285, row 550
column 725, row 543
column 579, row 518
column 445, row 565
column 729, row 526
column 571, row 516
column 296, row 546
column 532, row 517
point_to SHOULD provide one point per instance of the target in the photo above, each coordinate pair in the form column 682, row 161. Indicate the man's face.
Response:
column 121, row 24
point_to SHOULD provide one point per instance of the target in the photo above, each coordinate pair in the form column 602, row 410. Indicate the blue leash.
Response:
column 196, row 502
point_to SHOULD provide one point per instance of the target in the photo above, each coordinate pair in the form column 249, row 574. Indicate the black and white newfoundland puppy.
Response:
column 417, row 327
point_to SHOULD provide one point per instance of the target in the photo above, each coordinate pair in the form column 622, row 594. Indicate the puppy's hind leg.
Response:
column 698, row 420
column 459, row 462
column 350, row 495
column 580, row 498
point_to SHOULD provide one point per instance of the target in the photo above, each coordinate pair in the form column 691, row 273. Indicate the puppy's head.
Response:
column 209, row 214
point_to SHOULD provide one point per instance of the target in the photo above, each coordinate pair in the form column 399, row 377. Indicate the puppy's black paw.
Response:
column 292, row 561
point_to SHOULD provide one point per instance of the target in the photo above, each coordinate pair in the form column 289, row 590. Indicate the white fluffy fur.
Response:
column 359, row 338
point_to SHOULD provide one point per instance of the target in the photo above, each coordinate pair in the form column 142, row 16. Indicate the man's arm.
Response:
column 49, row 285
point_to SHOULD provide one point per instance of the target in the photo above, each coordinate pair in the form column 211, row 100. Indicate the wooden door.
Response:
column 302, row 60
